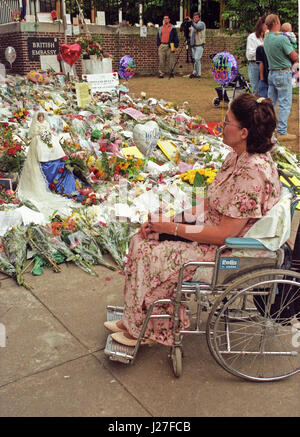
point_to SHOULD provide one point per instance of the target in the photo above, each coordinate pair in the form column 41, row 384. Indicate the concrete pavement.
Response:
column 53, row 363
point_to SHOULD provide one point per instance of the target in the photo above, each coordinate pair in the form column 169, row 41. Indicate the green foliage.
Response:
column 246, row 12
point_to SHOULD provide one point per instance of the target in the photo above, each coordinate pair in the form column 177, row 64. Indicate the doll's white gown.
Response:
column 44, row 167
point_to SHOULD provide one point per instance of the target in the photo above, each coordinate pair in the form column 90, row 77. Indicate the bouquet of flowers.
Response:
column 114, row 238
column 15, row 243
column 90, row 45
column 8, row 196
column 12, row 155
column 205, row 176
column 46, row 137
column 15, row 15
column 54, row 15
column 19, row 115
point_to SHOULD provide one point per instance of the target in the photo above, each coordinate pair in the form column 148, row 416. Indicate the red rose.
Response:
column 52, row 186
column 64, row 158
column 60, row 170
column 102, row 149
column 12, row 151
column 54, row 15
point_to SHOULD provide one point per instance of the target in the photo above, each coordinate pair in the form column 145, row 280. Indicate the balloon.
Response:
column 36, row 77
column 224, row 67
column 70, row 53
column 10, row 55
column 127, row 67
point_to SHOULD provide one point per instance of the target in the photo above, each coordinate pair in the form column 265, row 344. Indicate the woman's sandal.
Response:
column 127, row 340
column 112, row 325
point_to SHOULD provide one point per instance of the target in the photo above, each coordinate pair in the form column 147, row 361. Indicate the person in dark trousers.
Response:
column 167, row 43
column 263, row 65
column 197, row 42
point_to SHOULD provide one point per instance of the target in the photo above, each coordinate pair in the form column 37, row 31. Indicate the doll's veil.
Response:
column 36, row 126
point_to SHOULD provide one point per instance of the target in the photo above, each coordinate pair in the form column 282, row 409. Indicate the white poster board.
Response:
column 68, row 19
column 69, row 30
column 44, row 17
column 76, row 30
column 100, row 19
column 2, row 73
column 50, row 62
column 143, row 31
column 30, row 18
column 102, row 82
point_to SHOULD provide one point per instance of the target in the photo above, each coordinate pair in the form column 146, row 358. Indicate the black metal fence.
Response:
column 153, row 10
column 7, row 8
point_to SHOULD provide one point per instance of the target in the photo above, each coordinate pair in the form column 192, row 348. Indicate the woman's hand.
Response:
column 161, row 224
column 146, row 230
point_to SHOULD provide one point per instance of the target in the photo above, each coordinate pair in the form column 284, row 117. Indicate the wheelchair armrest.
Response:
column 244, row 243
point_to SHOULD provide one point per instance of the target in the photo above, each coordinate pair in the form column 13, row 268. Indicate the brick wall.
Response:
column 118, row 41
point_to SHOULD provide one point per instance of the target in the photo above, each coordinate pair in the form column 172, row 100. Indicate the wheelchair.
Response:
column 249, row 312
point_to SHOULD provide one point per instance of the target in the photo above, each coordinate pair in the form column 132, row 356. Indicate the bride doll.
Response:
column 44, row 170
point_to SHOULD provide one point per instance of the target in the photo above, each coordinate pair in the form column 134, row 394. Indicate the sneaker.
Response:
column 286, row 137
column 171, row 74
column 191, row 76
column 161, row 76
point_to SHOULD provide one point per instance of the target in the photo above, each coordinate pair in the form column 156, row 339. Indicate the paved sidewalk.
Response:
column 54, row 365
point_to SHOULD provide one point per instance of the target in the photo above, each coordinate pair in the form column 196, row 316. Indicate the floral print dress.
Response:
column 247, row 186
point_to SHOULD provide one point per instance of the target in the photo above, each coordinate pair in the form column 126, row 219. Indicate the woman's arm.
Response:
column 191, row 214
column 228, row 227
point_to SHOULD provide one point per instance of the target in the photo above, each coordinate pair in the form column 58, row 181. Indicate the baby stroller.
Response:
column 237, row 86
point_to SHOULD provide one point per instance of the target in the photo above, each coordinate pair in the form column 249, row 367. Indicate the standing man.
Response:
column 280, row 55
column 167, row 43
column 197, row 41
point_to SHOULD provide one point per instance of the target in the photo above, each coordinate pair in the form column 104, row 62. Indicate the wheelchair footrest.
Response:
column 118, row 352
column 114, row 313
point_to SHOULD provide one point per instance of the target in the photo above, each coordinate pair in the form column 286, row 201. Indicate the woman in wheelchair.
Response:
column 245, row 188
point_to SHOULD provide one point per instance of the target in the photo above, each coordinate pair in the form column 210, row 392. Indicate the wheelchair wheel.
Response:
column 253, row 330
column 176, row 357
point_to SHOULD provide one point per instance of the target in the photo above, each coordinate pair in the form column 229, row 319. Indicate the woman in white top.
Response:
column 254, row 40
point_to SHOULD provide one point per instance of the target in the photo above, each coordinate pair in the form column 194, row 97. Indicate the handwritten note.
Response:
column 83, row 94
column 102, row 82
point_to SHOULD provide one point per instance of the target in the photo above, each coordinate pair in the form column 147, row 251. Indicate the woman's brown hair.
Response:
column 257, row 115
column 258, row 27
